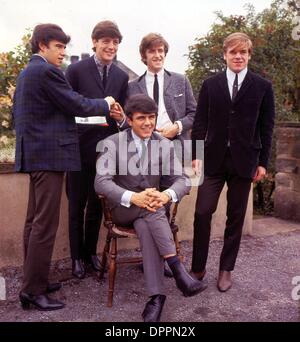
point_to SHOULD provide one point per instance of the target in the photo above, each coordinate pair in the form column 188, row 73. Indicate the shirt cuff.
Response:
column 172, row 194
column 179, row 123
column 120, row 124
column 108, row 104
column 126, row 197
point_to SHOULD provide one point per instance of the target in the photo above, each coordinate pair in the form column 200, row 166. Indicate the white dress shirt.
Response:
column 230, row 75
column 163, row 119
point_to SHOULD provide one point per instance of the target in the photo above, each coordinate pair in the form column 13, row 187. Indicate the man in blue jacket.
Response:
column 46, row 146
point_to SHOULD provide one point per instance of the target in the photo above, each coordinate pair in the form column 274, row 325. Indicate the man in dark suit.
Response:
column 235, row 118
column 94, row 77
column 171, row 91
column 131, row 167
column 46, row 146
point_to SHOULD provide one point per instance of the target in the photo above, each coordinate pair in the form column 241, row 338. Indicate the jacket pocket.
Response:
column 67, row 141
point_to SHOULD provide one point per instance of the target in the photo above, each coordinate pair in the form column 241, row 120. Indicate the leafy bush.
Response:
column 276, row 54
column 11, row 63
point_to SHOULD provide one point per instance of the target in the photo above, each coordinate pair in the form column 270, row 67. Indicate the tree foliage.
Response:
column 11, row 63
column 276, row 54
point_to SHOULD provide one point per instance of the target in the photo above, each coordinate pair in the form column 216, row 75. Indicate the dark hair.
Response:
column 45, row 33
column 152, row 40
column 106, row 28
column 140, row 103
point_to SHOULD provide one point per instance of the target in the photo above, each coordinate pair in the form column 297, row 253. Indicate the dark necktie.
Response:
column 104, row 76
column 235, row 87
column 155, row 90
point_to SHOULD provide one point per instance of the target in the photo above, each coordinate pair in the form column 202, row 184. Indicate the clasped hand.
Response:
column 116, row 112
column 150, row 199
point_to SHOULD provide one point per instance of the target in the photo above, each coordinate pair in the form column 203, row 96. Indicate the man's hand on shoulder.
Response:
column 169, row 131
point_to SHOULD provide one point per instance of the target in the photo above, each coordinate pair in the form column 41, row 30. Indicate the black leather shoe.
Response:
column 41, row 302
column 52, row 287
column 167, row 271
column 78, row 270
column 153, row 308
column 95, row 262
column 188, row 285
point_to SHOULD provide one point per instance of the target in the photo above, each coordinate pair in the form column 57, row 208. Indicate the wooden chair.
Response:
column 110, row 251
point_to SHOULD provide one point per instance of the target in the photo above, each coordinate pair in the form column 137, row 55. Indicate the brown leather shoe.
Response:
column 198, row 275
column 224, row 281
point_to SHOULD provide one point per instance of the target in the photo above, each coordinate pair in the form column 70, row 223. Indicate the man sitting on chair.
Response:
column 133, row 164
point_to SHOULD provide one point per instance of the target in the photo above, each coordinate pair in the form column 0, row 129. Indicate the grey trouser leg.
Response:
column 152, row 261
column 156, row 241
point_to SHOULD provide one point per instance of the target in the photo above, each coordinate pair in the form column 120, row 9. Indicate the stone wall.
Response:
column 14, row 197
column 287, row 190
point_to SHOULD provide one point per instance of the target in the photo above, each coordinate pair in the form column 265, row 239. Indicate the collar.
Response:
column 231, row 75
column 137, row 139
column 151, row 74
column 100, row 64
column 37, row 54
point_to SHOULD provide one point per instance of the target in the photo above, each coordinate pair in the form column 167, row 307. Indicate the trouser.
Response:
column 40, row 228
column 85, row 212
column 156, row 241
column 206, row 204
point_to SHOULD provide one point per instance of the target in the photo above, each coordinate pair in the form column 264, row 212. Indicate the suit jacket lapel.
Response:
column 132, row 153
column 223, row 83
column 142, row 84
column 167, row 80
column 112, row 79
column 95, row 73
column 168, row 97
column 245, row 85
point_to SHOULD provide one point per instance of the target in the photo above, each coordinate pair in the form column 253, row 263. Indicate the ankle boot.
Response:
column 185, row 282
column 78, row 270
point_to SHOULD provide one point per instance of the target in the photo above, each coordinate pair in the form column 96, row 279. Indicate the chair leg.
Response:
column 177, row 245
column 104, row 256
column 112, row 272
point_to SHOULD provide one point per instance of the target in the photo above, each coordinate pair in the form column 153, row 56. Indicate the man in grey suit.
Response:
column 133, row 164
